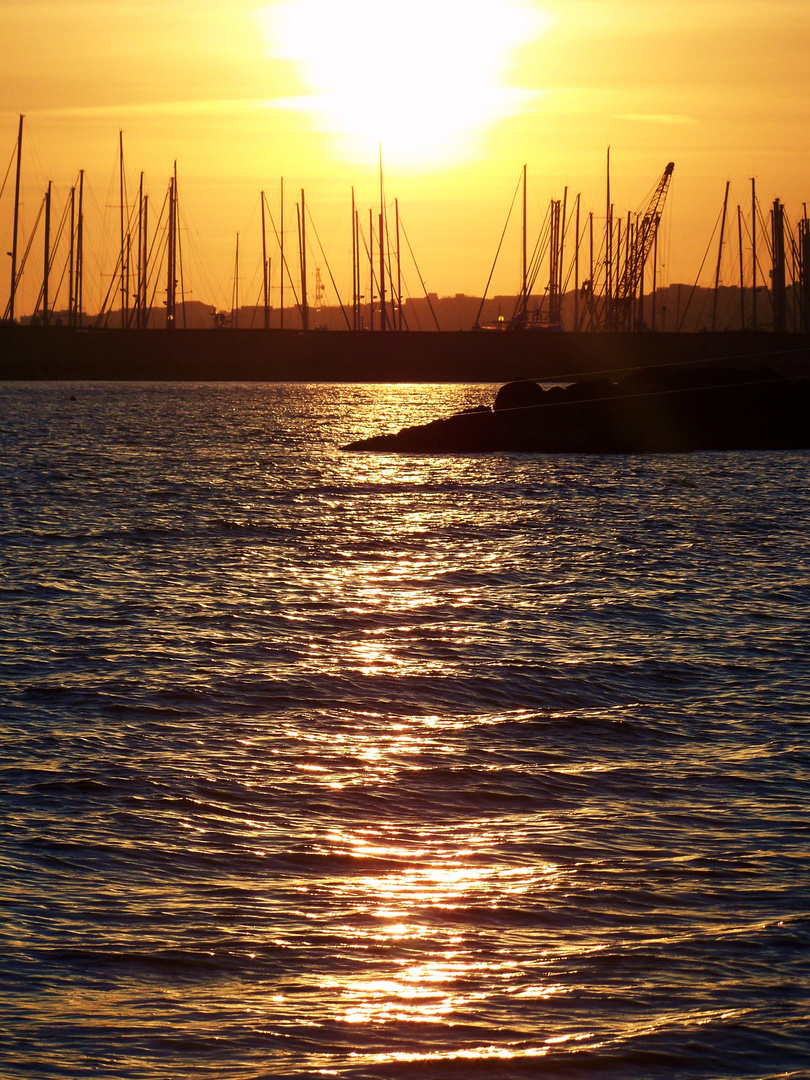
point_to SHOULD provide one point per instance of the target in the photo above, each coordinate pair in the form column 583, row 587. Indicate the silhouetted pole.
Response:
column 47, row 256
column 615, row 272
column 354, row 263
column 302, row 234
column 235, row 299
column 524, row 261
column 370, row 269
column 753, row 253
column 576, row 267
column 608, row 251
column 655, row 281
column 742, row 275
column 399, row 269
column 778, row 247
column 590, row 270
column 804, row 251
column 383, row 312
column 71, row 261
column 140, row 296
column 171, row 281
column 562, row 251
column 281, row 244
column 124, row 238
column 80, row 253
column 264, row 270
column 16, row 227
column 145, row 275
column 719, row 257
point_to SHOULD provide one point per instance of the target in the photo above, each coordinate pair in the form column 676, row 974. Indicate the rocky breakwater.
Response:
column 654, row 410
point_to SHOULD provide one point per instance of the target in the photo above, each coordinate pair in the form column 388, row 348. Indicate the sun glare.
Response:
column 422, row 79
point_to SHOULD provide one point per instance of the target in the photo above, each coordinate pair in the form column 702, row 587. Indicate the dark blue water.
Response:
column 317, row 764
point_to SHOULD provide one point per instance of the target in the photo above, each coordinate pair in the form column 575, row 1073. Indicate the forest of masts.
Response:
column 605, row 270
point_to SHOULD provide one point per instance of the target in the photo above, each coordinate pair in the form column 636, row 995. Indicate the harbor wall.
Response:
column 58, row 352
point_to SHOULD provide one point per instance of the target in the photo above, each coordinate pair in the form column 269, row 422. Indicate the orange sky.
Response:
column 461, row 93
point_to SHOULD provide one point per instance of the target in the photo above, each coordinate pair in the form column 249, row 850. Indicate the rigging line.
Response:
column 700, row 271
column 179, row 241
column 424, row 287
column 329, row 268
column 497, row 253
column 8, row 170
column 103, row 313
column 285, row 266
column 52, row 262
column 640, row 394
column 21, row 268
column 254, row 311
column 155, row 268
column 374, row 276
column 573, row 376
column 158, row 274
column 543, row 244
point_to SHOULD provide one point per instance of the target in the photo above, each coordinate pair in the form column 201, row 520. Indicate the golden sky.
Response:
column 459, row 94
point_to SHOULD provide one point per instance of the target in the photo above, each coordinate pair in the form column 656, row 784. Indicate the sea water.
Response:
column 324, row 764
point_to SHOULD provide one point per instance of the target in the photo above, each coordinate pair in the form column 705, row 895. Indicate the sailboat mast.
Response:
column 171, row 282
column 742, row 276
column 264, row 270
column 302, row 234
column 399, row 269
column 524, row 259
column 80, row 252
column 71, row 263
column 383, row 312
column 590, row 271
column 139, row 295
column 145, row 267
column 753, row 253
column 608, row 252
column 122, row 220
column 13, row 291
column 354, row 263
column 281, row 244
column 562, row 252
column 778, row 267
column 235, row 301
column 47, row 255
column 370, row 269
column 719, row 256
column 576, row 266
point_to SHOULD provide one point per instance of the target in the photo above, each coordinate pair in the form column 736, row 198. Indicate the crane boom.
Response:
column 639, row 251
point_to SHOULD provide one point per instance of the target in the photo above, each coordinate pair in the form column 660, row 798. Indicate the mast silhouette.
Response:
column 264, row 271
column 47, row 255
column 719, row 257
column 171, row 274
column 753, row 253
column 77, row 293
column 302, row 240
column 13, row 290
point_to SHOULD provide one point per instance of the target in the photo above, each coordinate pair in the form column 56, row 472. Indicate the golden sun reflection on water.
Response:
column 427, row 920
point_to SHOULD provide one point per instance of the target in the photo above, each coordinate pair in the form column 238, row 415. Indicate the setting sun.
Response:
column 424, row 81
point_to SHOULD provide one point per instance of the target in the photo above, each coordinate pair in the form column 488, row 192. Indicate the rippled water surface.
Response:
column 319, row 764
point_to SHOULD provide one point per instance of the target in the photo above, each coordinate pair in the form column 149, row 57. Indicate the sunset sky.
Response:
column 459, row 94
